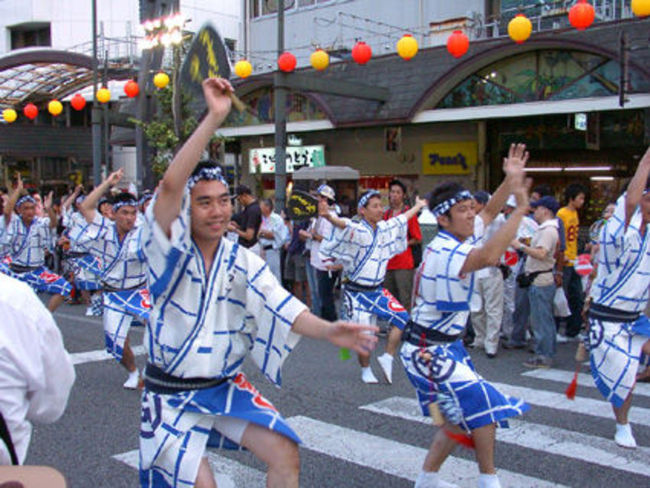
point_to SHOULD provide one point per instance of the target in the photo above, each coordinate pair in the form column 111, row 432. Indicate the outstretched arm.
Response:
column 637, row 186
column 13, row 198
column 71, row 198
column 89, row 205
column 420, row 203
column 49, row 209
column 517, row 157
column 170, row 191
column 324, row 211
column 358, row 337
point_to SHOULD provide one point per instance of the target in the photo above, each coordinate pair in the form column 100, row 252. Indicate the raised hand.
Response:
column 217, row 96
column 19, row 182
column 47, row 204
column 115, row 177
column 421, row 202
column 514, row 165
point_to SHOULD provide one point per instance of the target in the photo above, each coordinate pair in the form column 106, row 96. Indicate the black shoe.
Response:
column 491, row 355
column 508, row 345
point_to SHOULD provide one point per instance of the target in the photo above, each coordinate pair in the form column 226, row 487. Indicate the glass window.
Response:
column 30, row 36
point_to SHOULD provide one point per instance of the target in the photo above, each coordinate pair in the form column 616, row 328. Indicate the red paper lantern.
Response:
column 131, row 89
column 457, row 44
column 582, row 15
column 30, row 111
column 287, row 62
column 78, row 102
column 361, row 52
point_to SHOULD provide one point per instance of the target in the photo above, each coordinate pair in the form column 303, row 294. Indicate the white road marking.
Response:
column 100, row 355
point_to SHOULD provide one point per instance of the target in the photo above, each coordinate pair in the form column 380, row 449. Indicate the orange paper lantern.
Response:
column 361, row 52
column 9, row 115
column 641, row 8
column 30, row 111
column 520, row 28
column 319, row 60
column 457, row 43
column 407, row 47
column 161, row 80
column 243, row 68
column 131, row 89
column 55, row 107
column 78, row 102
column 287, row 62
column 103, row 95
column 582, row 15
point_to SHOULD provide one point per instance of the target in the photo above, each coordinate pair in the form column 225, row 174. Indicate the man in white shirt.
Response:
column 36, row 374
column 272, row 236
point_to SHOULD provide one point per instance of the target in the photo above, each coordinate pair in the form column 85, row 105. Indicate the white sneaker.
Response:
column 624, row 437
column 560, row 339
column 488, row 481
column 131, row 382
column 89, row 311
column 367, row 376
column 386, row 363
column 432, row 480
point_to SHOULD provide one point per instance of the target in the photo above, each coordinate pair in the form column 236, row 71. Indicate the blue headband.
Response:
column 124, row 203
column 445, row 206
column 363, row 201
column 207, row 174
column 145, row 198
column 25, row 199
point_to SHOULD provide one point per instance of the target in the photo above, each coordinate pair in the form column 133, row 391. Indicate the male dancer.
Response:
column 433, row 354
column 117, row 245
column 618, row 329
column 27, row 237
column 364, row 248
column 214, row 302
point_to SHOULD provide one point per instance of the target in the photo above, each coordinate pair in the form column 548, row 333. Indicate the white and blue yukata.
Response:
column 25, row 247
column 364, row 253
column 122, row 276
column 202, row 326
column 86, row 267
column 442, row 306
column 617, row 326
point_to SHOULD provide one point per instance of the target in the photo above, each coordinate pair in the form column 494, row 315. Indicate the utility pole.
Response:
column 280, row 96
column 96, row 113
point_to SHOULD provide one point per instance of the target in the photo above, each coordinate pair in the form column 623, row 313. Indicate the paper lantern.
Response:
column 243, row 68
column 131, row 89
column 78, row 102
column 361, row 52
column 519, row 28
column 287, row 62
column 407, row 47
column 161, row 80
column 55, row 107
column 103, row 95
column 319, row 60
column 30, row 111
column 583, row 266
column 641, row 8
column 9, row 114
column 582, row 15
column 457, row 43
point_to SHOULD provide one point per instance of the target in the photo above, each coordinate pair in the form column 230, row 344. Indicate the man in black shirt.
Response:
column 251, row 219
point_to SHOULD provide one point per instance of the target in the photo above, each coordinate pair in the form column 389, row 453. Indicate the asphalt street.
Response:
column 354, row 435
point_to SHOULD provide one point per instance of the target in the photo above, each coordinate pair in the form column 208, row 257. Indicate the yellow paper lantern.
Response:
column 243, row 68
column 161, row 80
column 407, row 47
column 103, row 95
column 9, row 114
column 55, row 107
column 641, row 8
column 519, row 28
column 319, row 60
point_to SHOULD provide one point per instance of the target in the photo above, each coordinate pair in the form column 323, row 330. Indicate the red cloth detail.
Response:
column 405, row 259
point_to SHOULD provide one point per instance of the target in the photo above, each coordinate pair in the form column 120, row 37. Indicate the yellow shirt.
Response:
column 571, row 224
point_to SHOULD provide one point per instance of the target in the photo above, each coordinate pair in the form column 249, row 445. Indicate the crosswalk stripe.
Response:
column 100, row 355
column 391, row 457
column 552, row 440
column 581, row 405
column 586, row 380
column 227, row 472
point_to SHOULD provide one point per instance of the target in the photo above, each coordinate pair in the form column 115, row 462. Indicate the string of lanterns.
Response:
column 78, row 102
column 520, row 28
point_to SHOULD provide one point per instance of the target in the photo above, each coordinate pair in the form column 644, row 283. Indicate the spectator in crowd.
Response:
column 399, row 271
column 539, row 267
column 272, row 236
column 251, row 219
column 295, row 268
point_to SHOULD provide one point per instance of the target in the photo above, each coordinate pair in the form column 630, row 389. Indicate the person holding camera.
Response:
column 538, row 275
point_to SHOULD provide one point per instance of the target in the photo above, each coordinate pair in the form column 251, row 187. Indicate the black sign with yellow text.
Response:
column 301, row 205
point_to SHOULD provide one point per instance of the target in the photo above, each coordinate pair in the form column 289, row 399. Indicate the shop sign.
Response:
column 296, row 156
column 449, row 158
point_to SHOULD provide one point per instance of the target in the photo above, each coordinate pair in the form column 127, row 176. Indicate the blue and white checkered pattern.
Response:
column 450, row 379
column 120, row 308
column 122, row 262
column 176, row 428
column 363, row 251
column 365, row 306
column 442, row 296
column 44, row 280
column 27, row 245
column 87, row 272
column 243, row 307
column 615, row 354
column 623, row 263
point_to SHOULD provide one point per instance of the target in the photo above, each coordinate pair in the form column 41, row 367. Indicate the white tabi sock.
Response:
column 488, row 481
column 431, row 479
column 624, row 437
